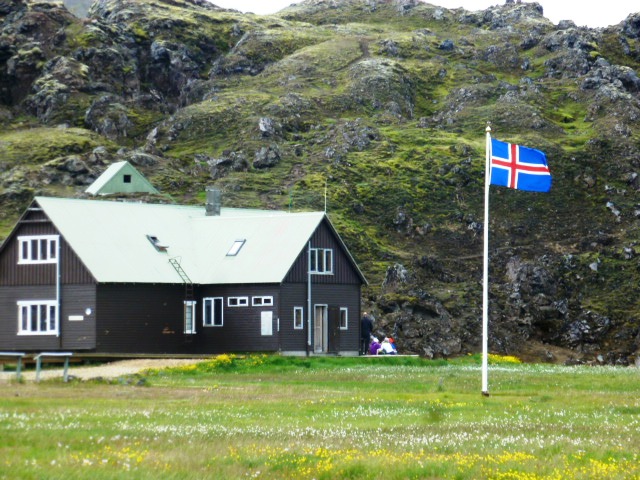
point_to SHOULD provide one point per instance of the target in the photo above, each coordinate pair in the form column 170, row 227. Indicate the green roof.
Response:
column 114, row 241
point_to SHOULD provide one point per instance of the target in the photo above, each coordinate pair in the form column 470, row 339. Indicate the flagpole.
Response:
column 485, row 272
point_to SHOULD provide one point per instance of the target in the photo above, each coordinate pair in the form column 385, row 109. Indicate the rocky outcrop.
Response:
column 266, row 157
column 108, row 117
column 382, row 85
column 28, row 37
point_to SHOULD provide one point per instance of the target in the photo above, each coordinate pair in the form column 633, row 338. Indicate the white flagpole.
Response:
column 485, row 273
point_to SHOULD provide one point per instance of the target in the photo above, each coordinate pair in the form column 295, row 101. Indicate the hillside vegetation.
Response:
column 382, row 104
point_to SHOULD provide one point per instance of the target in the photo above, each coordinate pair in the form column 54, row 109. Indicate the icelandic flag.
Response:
column 519, row 167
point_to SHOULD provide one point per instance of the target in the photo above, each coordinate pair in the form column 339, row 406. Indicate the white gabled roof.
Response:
column 110, row 238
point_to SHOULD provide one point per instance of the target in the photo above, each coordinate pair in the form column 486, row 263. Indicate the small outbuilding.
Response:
column 123, row 277
column 121, row 177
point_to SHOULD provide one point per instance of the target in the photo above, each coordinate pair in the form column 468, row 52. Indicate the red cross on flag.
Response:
column 518, row 167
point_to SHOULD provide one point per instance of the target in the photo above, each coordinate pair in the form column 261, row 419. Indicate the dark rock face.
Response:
column 171, row 67
column 108, row 117
column 266, row 157
column 382, row 85
column 631, row 26
column 29, row 36
column 229, row 161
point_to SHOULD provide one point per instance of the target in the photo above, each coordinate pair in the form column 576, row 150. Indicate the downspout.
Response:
column 308, row 298
column 58, row 291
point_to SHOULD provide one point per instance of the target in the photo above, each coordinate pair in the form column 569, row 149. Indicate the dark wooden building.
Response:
column 118, row 277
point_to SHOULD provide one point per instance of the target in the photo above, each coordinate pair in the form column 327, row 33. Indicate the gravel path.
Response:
column 106, row 370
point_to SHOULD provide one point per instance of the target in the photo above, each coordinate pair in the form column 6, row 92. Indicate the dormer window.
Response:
column 155, row 241
column 235, row 248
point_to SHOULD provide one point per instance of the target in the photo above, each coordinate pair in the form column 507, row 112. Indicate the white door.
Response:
column 320, row 328
column 266, row 323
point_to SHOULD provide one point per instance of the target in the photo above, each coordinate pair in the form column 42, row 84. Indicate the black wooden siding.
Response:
column 78, row 334
column 141, row 318
column 74, row 335
column 341, row 296
column 38, row 282
column 341, row 290
column 150, row 319
column 72, row 269
column 343, row 270
column 293, row 295
column 241, row 330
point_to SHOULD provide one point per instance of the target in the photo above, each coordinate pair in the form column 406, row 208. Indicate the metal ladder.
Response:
column 188, row 284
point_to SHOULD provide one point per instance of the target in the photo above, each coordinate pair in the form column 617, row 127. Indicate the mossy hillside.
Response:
column 599, row 280
column 313, row 66
column 386, row 108
column 612, row 48
column 381, row 15
column 261, row 47
column 613, row 269
column 34, row 146
column 227, row 120
column 207, row 33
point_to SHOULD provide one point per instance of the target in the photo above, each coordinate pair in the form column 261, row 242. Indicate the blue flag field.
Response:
column 518, row 167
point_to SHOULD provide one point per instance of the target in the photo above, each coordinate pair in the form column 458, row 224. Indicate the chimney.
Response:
column 214, row 201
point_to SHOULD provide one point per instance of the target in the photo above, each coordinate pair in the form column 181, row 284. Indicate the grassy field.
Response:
column 276, row 417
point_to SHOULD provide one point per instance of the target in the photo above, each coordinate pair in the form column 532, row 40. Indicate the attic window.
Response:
column 155, row 241
column 235, row 248
column 126, row 178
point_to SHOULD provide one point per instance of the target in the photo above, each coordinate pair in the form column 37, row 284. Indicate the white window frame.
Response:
column 237, row 302
column 344, row 310
column 212, row 310
column 299, row 310
column 31, row 245
column 321, row 261
column 236, row 247
column 190, row 327
column 262, row 301
column 26, row 323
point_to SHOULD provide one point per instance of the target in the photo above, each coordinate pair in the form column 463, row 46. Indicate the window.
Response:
column 344, row 318
column 235, row 248
column 298, row 318
column 189, row 317
column 158, row 245
column 261, row 301
column 212, row 312
column 126, row 178
column 238, row 301
column 37, row 317
column 321, row 261
column 38, row 249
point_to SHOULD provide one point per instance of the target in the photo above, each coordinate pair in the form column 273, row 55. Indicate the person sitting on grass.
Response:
column 386, row 348
column 374, row 348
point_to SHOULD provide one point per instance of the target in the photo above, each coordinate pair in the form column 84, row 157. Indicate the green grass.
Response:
column 277, row 417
